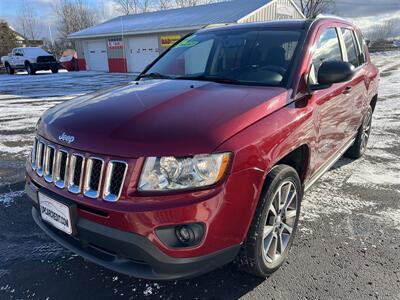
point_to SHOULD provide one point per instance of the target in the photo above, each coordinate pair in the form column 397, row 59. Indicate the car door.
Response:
column 18, row 58
column 332, row 106
column 14, row 57
column 357, row 90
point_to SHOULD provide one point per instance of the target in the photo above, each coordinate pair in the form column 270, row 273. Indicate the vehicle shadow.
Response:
column 341, row 163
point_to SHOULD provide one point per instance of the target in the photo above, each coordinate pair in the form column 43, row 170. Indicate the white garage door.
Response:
column 141, row 52
column 97, row 56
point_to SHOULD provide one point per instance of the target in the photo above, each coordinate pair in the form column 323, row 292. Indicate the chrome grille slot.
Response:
column 94, row 173
column 40, row 158
column 33, row 154
column 75, row 173
column 49, row 163
column 115, row 175
column 60, row 173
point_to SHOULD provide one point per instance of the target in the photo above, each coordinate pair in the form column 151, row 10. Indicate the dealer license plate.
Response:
column 55, row 213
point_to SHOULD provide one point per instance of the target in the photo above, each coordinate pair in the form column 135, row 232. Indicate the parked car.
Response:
column 206, row 157
column 31, row 59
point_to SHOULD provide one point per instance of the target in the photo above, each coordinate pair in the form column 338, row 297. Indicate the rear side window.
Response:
column 362, row 56
column 327, row 48
column 351, row 46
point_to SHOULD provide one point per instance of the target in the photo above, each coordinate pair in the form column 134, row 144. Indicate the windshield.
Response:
column 35, row 51
column 253, row 57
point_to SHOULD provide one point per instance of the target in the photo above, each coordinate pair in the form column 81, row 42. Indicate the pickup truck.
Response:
column 205, row 157
column 31, row 59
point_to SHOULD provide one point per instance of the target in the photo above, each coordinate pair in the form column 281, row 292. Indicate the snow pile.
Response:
column 8, row 198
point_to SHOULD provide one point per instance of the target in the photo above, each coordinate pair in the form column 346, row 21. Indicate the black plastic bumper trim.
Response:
column 130, row 253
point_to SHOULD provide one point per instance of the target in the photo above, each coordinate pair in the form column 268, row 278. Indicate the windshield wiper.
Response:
column 154, row 76
column 218, row 79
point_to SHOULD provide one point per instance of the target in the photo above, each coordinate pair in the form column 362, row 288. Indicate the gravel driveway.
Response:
column 348, row 245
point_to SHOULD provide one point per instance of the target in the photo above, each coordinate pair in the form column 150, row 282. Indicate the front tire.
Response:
column 10, row 71
column 29, row 68
column 54, row 70
column 274, row 224
column 360, row 144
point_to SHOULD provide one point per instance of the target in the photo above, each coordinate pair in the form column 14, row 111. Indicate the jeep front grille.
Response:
column 94, row 172
column 75, row 177
column 78, row 172
column 49, row 159
column 60, row 172
column 115, row 175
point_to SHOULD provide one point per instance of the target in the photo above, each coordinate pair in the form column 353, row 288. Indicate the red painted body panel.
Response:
column 259, row 125
column 160, row 117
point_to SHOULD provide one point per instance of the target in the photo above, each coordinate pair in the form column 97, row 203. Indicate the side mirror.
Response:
column 331, row 72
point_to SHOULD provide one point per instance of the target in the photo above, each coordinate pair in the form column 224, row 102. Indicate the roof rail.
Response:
column 217, row 25
column 329, row 16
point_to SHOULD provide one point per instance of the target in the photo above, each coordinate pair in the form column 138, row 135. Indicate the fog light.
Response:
column 185, row 234
column 181, row 236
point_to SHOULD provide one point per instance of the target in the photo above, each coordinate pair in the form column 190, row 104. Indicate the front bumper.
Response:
column 45, row 65
column 127, row 252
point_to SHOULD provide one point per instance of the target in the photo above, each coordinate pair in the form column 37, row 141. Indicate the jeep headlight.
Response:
column 178, row 173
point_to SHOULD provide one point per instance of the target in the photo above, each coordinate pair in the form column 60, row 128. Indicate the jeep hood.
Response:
column 159, row 117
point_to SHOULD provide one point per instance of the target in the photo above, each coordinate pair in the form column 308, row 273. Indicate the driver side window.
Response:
column 327, row 48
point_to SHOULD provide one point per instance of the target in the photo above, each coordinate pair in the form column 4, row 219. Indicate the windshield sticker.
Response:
column 189, row 42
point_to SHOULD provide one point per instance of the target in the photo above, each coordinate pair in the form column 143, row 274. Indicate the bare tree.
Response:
column 164, row 4
column 312, row 8
column 127, row 7
column 72, row 16
column 382, row 31
column 29, row 21
column 187, row 3
column 8, row 38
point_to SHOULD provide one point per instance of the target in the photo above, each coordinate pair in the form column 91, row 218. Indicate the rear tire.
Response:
column 10, row 71
column 54, row 70
column 360, row 144
column 29, row 68
column 274, row 225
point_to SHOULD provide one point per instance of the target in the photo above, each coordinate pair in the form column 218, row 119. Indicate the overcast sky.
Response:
column 366, row 13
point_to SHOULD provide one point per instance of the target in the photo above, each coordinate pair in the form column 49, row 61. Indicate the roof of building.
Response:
column 20, row 36
column 181, row 18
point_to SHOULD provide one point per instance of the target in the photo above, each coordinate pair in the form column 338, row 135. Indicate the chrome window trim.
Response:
column 72, row 186
column 47, row 176
column 107, row 196
column 57, row 178
column 87, row 190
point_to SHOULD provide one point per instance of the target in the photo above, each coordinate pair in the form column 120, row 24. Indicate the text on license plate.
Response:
column 55, row 213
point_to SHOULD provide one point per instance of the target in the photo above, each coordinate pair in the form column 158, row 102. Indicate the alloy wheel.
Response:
column 366, row 130
column 280, row 222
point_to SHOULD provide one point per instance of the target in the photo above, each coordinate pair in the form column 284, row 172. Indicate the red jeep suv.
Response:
column 204, row 159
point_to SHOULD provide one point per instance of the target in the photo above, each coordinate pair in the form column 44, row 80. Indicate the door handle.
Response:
column 347, row 90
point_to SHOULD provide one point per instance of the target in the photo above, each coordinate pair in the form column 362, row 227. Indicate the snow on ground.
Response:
column 24, row 98
column 7, row 198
